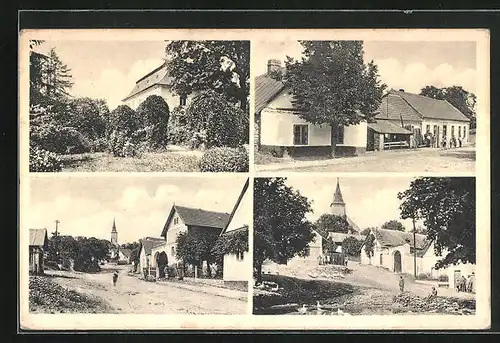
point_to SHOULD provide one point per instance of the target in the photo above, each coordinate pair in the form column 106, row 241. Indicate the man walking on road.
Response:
column 401, row 284
column 115, row 278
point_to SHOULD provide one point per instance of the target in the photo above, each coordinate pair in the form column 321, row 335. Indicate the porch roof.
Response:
column 385, row 126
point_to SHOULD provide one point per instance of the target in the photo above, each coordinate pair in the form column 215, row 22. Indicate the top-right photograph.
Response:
column 365, row 106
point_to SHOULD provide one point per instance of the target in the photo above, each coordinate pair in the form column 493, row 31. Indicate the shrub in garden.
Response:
column 443, row 278
column 179, row 135
column 116, row 143
column 43, row 161
column 125, row 119
column 225, row 160
column 58, row 139
column 224, row 123
column 153, row 114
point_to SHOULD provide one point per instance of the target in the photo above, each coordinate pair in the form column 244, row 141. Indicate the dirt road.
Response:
column 134, row 296
column 408, row 160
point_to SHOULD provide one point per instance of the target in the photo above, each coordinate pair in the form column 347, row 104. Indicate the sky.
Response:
column 86, row 206
column 402, row 65
column 107, row 69
column 370, row 201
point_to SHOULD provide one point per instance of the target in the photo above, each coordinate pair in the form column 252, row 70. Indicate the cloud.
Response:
column 112, row 84
column 413, row 77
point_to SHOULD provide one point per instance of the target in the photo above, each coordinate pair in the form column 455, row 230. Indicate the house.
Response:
column 403, row 115
column 145, row 248
column 314, row 253
column 38, row 244
column 279, row 130
column 124, row 255
column 186, row 219
column 156, row 82
column 237, row 266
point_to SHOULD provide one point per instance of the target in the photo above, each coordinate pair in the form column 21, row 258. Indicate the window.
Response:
column 381, row 259
column 300, row 134
column 176, row 221
column 173, row 251
column 183, row 100
column 465, row 132
column 459, row 131
column 428, row 129
column 452, row 130
column 444, row 130
column 239, row 256
column 434, row 132
column 340, row 134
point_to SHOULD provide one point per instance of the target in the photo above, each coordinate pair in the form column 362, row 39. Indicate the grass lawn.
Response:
column 264, row 158
column 298, row 291
column 148, row 162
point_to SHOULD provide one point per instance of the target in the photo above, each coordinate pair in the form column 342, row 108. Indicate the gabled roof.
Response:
column 236, row 205
column 149, row 243
column 337, row 196
column 353, row 225
column 414, row 105
column 197, row 217
column 339, row 236
column 126, row 251
column 156, row 77
column 385, row 126
column 38, row 237
column 394, row 238
column 266, row 89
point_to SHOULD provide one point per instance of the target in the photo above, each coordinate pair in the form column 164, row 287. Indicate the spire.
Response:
column 114, row 226
column 337, row 197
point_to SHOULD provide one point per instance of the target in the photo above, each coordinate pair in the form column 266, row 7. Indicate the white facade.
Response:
column 144, row 260
column 172, row 99
column 315, row 251
column 461, row 269
column 278, row 120
column 452, row 126
column 237, row 267
column 175, row 227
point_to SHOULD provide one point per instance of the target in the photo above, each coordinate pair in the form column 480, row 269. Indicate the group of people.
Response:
column 431, row 141
column 465, row 284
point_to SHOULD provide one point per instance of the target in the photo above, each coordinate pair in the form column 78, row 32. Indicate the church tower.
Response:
column 114, row 234
column 337, row 207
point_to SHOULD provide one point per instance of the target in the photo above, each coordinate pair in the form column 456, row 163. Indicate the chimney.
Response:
column 401, row 90
column 273, row 65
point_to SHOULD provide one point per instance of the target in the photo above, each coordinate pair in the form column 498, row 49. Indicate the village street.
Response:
column 134, row 296
column 408, row 160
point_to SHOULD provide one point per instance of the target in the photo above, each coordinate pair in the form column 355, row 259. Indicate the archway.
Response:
column 397, row 262
column 161, row 262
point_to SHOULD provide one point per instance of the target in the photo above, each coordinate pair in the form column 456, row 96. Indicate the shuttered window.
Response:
column 300, row 135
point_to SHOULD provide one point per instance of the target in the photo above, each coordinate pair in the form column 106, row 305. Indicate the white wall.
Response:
column 465, row 270
column 173, row 231
column 277, row 130
column 315, row 250
column 143, row 260
column 449, row 124
column 172, row 99
column 235, row 270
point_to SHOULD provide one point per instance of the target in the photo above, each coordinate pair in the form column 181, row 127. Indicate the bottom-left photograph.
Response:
column 138, row 245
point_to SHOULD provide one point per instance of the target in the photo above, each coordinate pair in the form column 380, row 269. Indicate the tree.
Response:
column 36, row 74
column 225, row 124
column 154, row 114
column 352, row 246
column 281, row 230
column 84, row 114
column 366, row 231
column 56, row 75
column 393, row 225
column 223, row 66
column 123, row 119
column 447, row 207
column 328, row 245
column 332, row 85
column 332, row 223
column 460, row 98
column 369, row 245
column 195, row 246
column 232, row 242
column 131, row 246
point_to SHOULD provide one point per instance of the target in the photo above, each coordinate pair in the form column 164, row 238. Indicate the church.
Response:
column 117, row 254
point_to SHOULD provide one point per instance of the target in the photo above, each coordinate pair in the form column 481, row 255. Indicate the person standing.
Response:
column 401, row 284
column 115, row 278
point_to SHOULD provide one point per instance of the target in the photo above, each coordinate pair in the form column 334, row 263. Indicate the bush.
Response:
column 443, row 278
column 44, row 161
column 225, row 160
column 58, row 139
column 123, row 118
column 424, row 276
column 179, row 135
column 153, row 114
column 116, row 143
column 99, row 145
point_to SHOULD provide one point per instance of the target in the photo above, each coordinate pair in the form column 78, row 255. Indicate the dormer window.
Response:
column 183, row 100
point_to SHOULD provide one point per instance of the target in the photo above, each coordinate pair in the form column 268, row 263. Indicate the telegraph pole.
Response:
column 55, row 242
column 414, row 249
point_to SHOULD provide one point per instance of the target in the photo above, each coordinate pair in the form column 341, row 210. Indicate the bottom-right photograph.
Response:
column 328, row 245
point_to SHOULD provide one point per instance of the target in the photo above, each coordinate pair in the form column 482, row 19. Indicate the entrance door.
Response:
column 397, row 262
column 456, row 277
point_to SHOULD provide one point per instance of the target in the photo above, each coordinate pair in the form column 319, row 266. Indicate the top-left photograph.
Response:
column 139, row 106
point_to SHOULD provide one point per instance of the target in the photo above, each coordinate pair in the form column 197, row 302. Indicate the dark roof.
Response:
column 266, row 89
column 197, row 217
column 394, row 238
column 337, row 196
column 415, row 107
column 229, row 233
column 385, row 126
column 150, row 242
column 353, row 225
column 240, row 197
column 126, row 251
column 156, row 77
column 38, row 237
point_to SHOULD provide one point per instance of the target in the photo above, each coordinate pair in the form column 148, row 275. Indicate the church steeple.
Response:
column 337, row 207
column 114, row 234
column 113, row 230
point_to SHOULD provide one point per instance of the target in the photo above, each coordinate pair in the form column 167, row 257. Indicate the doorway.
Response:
column 397, row 262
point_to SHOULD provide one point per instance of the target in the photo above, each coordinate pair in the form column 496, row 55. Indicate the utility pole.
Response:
column 414, row 249
column 55, row 242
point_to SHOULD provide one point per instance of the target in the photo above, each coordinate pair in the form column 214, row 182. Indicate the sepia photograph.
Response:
column 374, row 106
column 138, row 246
column 139, row 106
column 364, row 246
